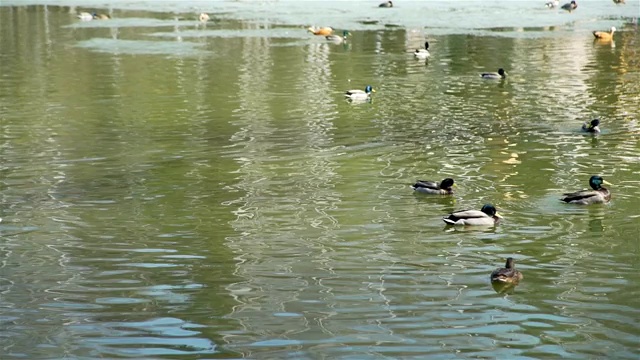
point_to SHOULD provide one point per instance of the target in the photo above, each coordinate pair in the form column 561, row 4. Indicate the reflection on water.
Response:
column 170, row 188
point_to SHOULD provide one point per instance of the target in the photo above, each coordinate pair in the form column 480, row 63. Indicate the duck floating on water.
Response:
column 501, row 74
column 598, row 195
column 604, row 35
column 101, row 17
column 324, row 31
column 386, row 4
column 570, row 6
column 592, row 126
column 618, row 2
column 508, row 274
column 360, row 94
column 486, row 216
column 337, row 38
column 552, row 4
column 204, row 17
column 422, row 53
column 445, row 187
column 85, row 16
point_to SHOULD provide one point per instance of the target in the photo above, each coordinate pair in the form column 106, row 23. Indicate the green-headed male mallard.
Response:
column 507, row 274
column 501, row 74
column 592, row 126
column 604, row 35
column 486, row 216
column 422, row 53
column 570, row 6
column 386, row 4
column 431, row 187
column 360, row 94
column 598, row 195
column 338, row 39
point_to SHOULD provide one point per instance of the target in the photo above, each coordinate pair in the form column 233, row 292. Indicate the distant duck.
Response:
column 603, row 35
column 598, row 195
column 85, row 16
column 431, row 187
column 386, row 4
column 552, row 4
column 507, row 274
column 570, row 6
column 592, row 126
column 101, row 17
column 338, row 39
column 324, row 31
column 360, row 94
column 204, row 17
column 486, row 216
column 422, row 53
column 618, row 1
column 501, row 74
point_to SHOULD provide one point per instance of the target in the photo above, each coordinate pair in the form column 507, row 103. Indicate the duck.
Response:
column 570, row 6
column 101, row 17
column 360, row 94
column 204, row 17
column 486, row 216
column 598, row 195
column 603, row 35
column 507, row 274
column 422, row 53
column 324, row 31
column 552, row 4
column 501, row 74
column 85, row 16
column 338, row 39
column 431, row 187
column 386, row 4
column 618, row 2
column 592, row 126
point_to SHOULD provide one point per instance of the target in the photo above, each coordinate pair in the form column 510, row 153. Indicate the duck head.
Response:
column 447, row 183
column 596, row 182
column 502, row 73
column 490, row 210
column 369, row 89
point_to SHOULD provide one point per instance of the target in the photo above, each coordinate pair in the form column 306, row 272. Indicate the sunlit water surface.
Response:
column 177, row 189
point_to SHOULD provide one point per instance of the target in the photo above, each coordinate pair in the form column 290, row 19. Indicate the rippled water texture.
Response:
column 176, row 189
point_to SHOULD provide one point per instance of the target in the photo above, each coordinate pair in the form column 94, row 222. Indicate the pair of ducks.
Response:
column 327, row 32
column 425, row 54
column 85, row 16
column 568, row 6
column 488, row 215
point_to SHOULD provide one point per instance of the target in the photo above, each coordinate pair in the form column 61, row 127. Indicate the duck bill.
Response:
column 498, row 216
column 606, row 182
column 373, row 90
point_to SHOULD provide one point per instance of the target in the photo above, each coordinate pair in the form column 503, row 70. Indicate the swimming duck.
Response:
column 360, row 94
column 618, row 1
column 422, row 53
column 386, row 4
column 570, row 6
column 507, row 274
column 204, row 17
column 552, row 4
column 101, row 17
column 85, row 16
column 592, row 126
column 603, row 35
column 338, row 39
column 488, row 215
column 501, row 74
column 431, row 187
column 324, row 31
column 598, row 195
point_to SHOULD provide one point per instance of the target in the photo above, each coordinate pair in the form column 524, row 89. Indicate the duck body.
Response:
column 592, row 126
column 618, row 2
column 508, row 274
column 360, row 94
column 386, row 4
column 338, row 39
column 599, row 194
column 487, row 216
column 323, row 31
column 445, row 187
column 570, row 6
column 85, row 16
column 422, row 53
column 604, row 35
column 101, row 17
column 204, row 17
column 552, row 4
column 501, row 74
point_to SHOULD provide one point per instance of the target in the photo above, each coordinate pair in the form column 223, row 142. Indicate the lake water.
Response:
column 173, row 189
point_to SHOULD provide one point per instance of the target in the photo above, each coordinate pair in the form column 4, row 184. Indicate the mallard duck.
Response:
column 570, row 6
column 337, row 38
column 592, row 126
column 603, row 35
column 101, row 17
column 488, row 215
column 552, row 4
column 618, row 1
column 431, row 187
column 507, row 274
column 422, row 53
column 386, row 4
column 360, row 94
column 501, row 74
column 324, row 31
column 204, row 17
column 85, row 16
column 598, row 195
